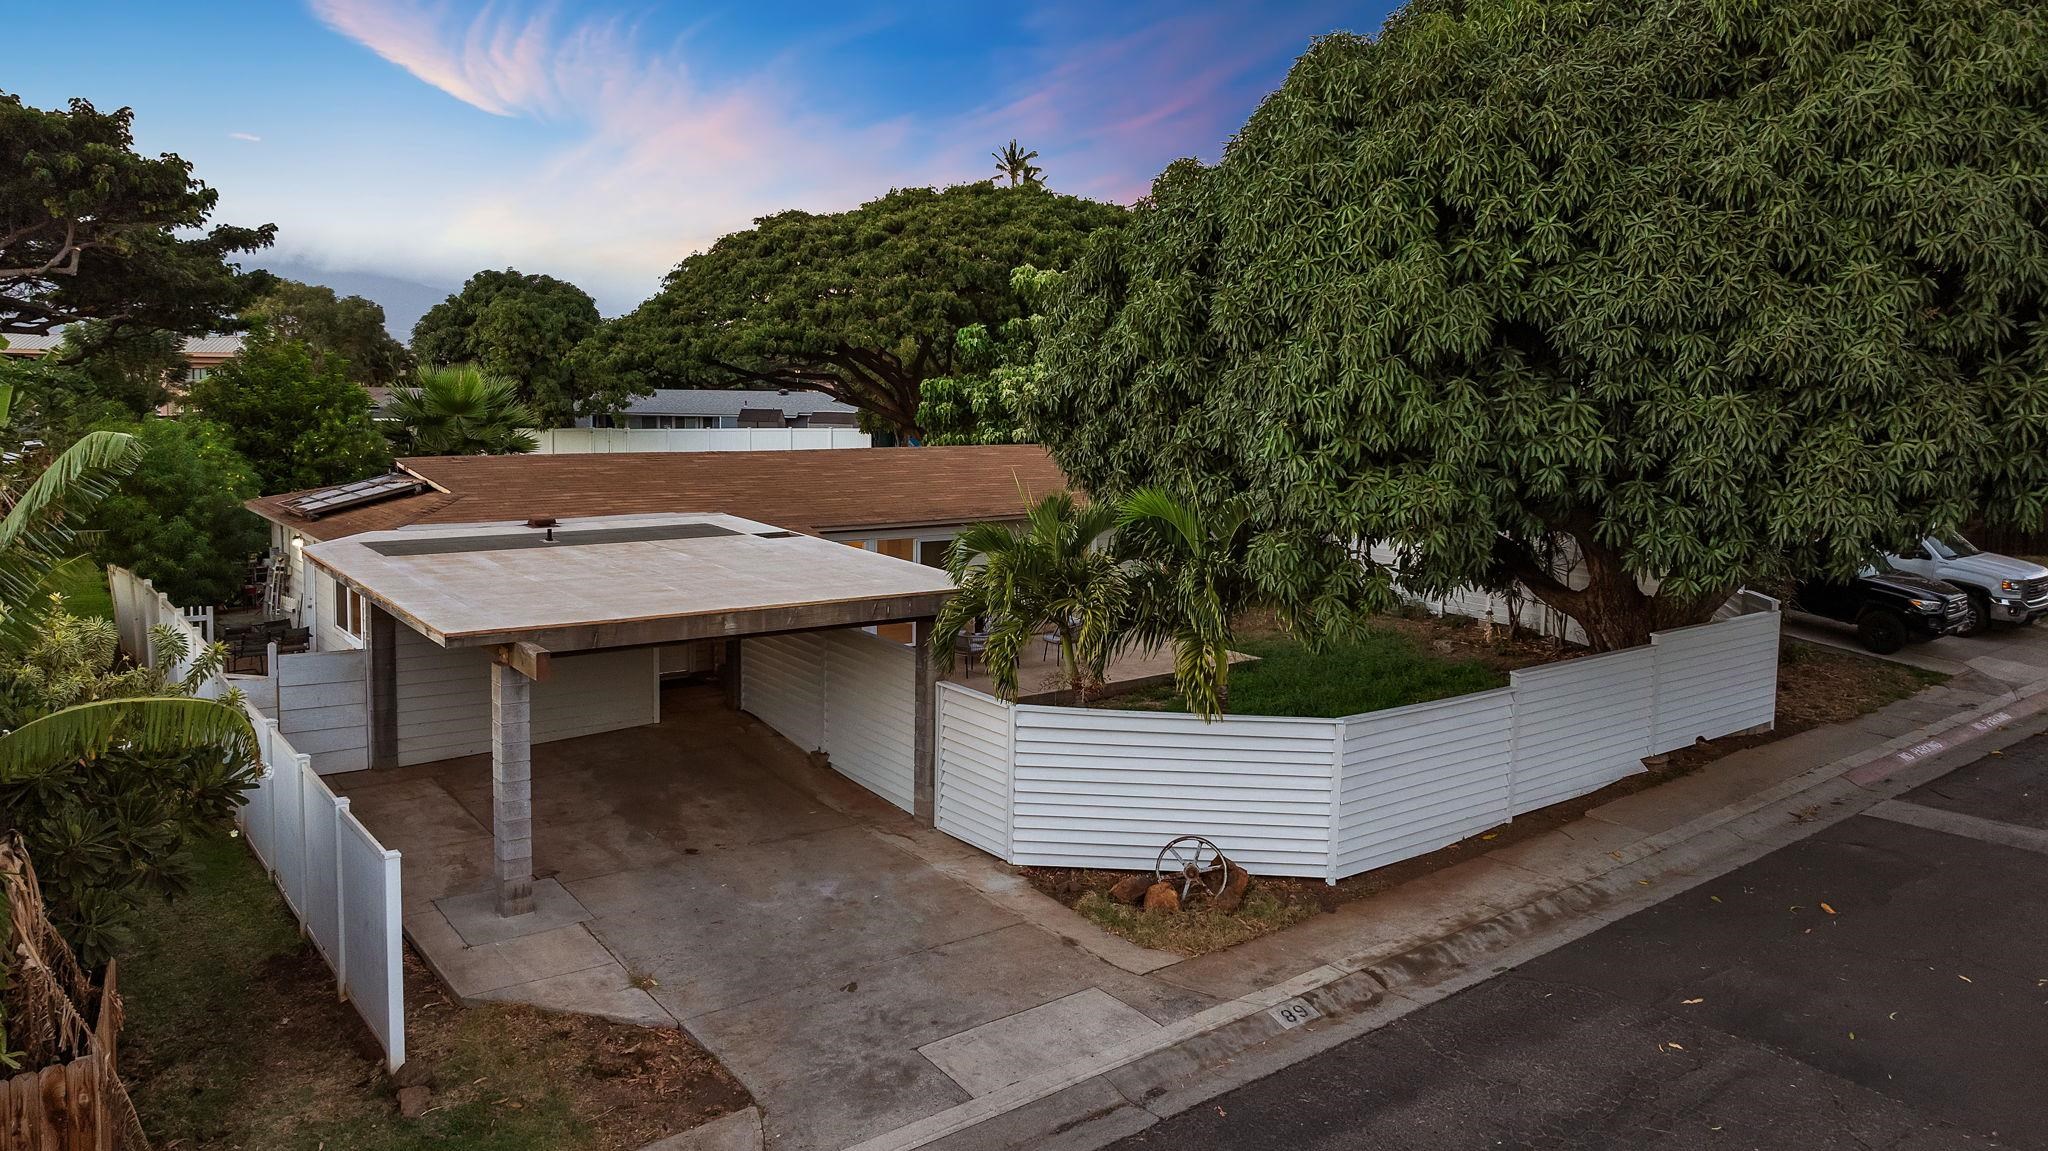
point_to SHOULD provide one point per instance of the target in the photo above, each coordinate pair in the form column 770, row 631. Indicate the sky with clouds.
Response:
column 602, row 141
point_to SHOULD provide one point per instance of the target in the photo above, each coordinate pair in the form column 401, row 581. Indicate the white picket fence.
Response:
column 338, row 880
column 1330, row 798
column 583, row 441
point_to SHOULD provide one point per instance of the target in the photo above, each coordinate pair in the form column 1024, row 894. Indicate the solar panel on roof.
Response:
column 315, row 504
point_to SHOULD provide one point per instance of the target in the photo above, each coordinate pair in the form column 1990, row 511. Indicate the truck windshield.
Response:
column 1951, row 547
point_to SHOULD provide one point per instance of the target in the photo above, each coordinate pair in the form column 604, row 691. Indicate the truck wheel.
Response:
column 1977, row 618
column 1881, row 632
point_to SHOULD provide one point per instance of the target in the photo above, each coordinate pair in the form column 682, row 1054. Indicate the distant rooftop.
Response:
column 195, row 346
column 730, row 401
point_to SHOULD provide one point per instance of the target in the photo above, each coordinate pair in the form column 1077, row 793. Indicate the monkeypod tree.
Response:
column 524, row 328
column 90, row 229
column 1693, row 293
column 862, row 305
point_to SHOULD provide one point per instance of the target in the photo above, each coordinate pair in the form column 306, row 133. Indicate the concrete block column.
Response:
column 512, row 788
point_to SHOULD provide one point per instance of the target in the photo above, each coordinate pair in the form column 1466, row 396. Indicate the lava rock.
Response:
column 1131, row 889
column 1232, row 896
column 1162, row 897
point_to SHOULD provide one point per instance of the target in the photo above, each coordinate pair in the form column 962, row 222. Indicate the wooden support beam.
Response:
column 383, row 645
column 925, row 725
column 528, row 659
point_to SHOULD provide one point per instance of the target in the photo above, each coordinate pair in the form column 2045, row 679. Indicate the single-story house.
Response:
column 672, row 408
column 904, row 503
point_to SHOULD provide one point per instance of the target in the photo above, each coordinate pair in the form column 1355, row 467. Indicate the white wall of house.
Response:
column 444, row 699
column 584, row 441
column 844, row 692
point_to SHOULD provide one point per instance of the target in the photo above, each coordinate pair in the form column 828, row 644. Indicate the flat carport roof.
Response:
column 524, row 592
column 624, row 581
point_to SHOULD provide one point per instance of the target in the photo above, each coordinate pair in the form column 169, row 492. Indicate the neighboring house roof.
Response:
column 199, row 347
column 850, row 489
column 729, row 401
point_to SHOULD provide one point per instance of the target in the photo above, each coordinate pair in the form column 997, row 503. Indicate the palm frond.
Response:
column 149, row 723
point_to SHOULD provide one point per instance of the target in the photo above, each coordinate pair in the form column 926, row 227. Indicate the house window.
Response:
column 351, row 610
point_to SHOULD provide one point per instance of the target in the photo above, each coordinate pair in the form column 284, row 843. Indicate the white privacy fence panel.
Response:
column 1580, row 725
column 1108, row 788
column 583, row 441
column 444, row 697
column 871, row 713
column 1715, row 679
column 1073, row 787
column 973, row 785
column 323, row 707
column 1416, row 778
column 341, row 884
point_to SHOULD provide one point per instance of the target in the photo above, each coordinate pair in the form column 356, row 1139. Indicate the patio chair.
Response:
column 295, row 640
column 967, row 647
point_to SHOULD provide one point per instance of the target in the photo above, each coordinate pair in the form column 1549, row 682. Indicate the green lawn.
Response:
column 1381, row 669
column 84, row 587
column 235, row 1039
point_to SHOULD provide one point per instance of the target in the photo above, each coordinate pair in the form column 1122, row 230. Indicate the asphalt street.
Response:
column 1880, row 985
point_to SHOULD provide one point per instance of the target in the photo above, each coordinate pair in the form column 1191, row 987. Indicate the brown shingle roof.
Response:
column 849, row 489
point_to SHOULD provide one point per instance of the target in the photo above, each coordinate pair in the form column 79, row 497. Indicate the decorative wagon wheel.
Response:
column 1195, row 864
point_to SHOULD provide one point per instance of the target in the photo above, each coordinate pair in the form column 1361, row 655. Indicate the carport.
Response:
column 525, row 593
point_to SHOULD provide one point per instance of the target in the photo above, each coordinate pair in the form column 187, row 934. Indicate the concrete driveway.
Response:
column 2005, row 655
column 855, row 971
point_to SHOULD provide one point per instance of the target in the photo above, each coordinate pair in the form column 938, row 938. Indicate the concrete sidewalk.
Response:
column 1289, row 995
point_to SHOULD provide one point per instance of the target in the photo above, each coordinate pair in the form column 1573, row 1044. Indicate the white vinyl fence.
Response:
column 341, row 883
column 846, row 693
column 583, row 441
column 1329, row 798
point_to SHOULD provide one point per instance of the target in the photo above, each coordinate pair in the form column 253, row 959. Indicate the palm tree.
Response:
column 1015, row 163
column 36, row 537
column 1185, row 583
column 460, row 411
column 1051, row 572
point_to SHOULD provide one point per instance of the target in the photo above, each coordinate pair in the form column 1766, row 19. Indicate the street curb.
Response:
column 1184, row 1063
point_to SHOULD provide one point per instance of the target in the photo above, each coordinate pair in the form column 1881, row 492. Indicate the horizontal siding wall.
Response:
column 444, row 697
column 782, row 683
column 1109, row 788
column 1715, row 679
column 1418, row 778
column 322, row 706
column 871, row 713
column 973, row 801
column 1580, row 725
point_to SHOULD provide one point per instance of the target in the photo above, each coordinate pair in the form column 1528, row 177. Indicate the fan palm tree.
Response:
column 460, row 411
column 1015, row 164
column 1185, row 580
column 1052, row 572
column 36, row 537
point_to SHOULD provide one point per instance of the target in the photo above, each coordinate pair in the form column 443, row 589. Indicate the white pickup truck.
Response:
column 2001, row 589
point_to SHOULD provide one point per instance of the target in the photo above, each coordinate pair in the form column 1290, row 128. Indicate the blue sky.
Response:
column 603, row 141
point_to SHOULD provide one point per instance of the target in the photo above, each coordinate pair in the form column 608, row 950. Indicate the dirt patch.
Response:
column 1816, row 686
column 236, row 1039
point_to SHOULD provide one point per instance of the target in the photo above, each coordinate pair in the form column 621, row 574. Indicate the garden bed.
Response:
column 1816, row 686
column 235, row 1039
column 1399, row 660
